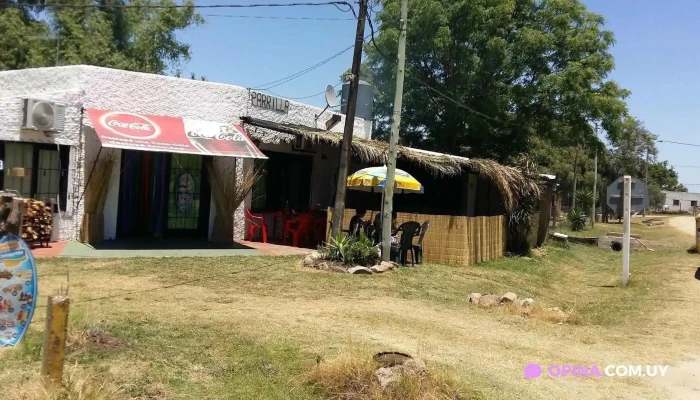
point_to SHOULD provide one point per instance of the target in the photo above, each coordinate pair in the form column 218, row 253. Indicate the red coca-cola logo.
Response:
column 130, row 125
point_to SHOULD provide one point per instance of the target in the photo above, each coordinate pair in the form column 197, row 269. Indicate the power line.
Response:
column 304, row 97
column 289, row 78
column 686, row 166
column 278, row 18
column 282, row 81
column 681, row 143
column 164, row 6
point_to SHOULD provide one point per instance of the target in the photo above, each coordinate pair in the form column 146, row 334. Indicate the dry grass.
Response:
column 254, row 327
column 77, row 385
column 350, row 376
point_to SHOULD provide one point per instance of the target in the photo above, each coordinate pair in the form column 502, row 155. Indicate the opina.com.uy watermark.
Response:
column 561, row 371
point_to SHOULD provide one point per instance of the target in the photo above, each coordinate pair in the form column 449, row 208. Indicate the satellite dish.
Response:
column 331, row 97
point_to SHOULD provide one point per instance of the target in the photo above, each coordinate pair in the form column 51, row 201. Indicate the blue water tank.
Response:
column 365, row 100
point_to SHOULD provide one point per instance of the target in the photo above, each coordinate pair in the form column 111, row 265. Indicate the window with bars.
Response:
column 38, row 171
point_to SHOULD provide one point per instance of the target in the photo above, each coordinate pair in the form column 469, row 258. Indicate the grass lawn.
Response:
column 254, row 328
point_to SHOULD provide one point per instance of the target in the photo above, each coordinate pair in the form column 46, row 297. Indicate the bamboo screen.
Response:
column 453, row 239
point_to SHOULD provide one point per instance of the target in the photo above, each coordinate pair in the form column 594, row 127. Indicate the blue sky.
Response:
column 657, row 57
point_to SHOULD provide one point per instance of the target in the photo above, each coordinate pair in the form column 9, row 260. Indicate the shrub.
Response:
column 350, row 250
column 584, row 197
column 577, row 219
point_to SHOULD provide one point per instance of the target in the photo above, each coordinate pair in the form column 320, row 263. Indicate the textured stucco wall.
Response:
column 685, row 200
column 53, row 84
column 103, row 88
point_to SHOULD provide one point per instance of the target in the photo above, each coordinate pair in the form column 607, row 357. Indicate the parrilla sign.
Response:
column 269, row 102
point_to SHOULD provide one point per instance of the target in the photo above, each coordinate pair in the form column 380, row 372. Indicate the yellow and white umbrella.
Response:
column 372, row 178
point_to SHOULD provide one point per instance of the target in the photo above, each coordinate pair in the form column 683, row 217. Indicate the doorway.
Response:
column 163, row 195
column 284, row 184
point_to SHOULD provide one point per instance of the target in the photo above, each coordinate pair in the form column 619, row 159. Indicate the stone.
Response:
column 389, row 264
column 360, row 270
column 379, row 268
column 385, row 375
column 337, row 268
column 525, row 302
column 309, row 261
column 474, row 298
column 414, row 366
column 509, row 297
column 315, row 255
column 489, row 300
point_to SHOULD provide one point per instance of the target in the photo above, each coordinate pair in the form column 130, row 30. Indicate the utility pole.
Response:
column 573, row 198
column 646, row 178
column 394, row 138
column 595, row 182
column 346, row 147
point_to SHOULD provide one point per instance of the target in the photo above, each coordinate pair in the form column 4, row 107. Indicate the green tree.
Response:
column 513, row 70
column 136, row 39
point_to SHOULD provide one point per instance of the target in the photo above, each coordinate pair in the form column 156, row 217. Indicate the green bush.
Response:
column 584, row 197
column 350, row 250
column 577, row 219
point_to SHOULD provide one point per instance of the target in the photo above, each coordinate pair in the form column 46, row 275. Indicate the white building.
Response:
column 141, row 193
column 681, row 201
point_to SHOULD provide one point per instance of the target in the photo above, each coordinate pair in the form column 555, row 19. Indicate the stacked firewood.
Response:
column 36, row 224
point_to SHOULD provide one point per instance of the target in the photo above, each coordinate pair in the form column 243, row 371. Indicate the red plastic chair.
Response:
column 256, row 222
column 297, row 227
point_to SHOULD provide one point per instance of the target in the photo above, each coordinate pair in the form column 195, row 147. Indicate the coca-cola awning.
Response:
column 171, row 134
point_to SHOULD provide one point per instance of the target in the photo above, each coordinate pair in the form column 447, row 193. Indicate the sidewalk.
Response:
column 169, row 248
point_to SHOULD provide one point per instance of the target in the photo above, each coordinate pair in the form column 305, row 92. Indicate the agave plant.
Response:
column 577, row 219
column 584, row 198
column 350, row 250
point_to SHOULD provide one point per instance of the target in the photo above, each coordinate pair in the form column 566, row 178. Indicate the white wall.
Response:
column 685, row 200
column 104, row 88
column 59, row 85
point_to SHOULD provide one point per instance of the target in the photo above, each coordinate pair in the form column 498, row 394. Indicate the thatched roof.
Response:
column 512, row 182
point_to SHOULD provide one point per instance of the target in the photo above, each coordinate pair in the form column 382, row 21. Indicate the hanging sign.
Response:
column 18, row 288
column 269, row 102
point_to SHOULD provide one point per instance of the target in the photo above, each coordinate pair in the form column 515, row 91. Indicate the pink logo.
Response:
column 130, row 125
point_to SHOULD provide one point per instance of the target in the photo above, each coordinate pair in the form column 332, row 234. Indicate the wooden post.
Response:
column 627, row 204
column 55, row 341
column 697, row 234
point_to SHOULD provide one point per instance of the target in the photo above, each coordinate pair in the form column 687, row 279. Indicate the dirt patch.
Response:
column 94, row 339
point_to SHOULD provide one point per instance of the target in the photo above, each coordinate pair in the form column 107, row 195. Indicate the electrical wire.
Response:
column 304, row 97
column 278, row 18
column 685, row 166
column 164, row 6
column 681, row 143
column 269, row 85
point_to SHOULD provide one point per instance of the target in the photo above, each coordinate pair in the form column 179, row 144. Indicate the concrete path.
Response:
column 77, row 249
column 164, row 248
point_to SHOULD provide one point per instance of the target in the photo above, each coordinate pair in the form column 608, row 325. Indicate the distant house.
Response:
column 681, row 201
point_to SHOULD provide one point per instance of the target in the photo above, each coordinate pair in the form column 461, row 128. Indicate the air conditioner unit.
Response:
column 43, row 115
column 302, row 144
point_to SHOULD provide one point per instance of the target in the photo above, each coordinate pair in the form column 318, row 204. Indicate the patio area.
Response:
column 163, row 248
